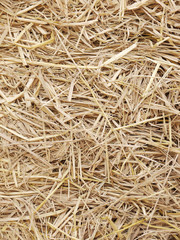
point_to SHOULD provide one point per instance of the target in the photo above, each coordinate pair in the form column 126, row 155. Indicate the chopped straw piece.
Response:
column 51, row 40
column 120, row 55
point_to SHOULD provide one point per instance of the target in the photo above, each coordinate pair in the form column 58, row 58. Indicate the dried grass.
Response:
column 90, row 119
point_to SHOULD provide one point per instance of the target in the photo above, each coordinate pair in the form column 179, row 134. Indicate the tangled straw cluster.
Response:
column 89, row 119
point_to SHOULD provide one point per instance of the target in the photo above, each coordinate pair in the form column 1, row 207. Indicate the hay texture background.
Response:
column 89, row 119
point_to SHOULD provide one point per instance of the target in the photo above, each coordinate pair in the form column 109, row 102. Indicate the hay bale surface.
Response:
column 89, row 119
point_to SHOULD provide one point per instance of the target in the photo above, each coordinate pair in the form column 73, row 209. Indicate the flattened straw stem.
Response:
column 142, row 122
column 151, row 79
column 29, row 8
column 120, row 55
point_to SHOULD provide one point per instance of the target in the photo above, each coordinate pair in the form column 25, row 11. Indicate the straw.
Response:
column 89, row 120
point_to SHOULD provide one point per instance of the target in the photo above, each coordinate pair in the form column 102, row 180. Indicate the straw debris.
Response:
column 89, row 119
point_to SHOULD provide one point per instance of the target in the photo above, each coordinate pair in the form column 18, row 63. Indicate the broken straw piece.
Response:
column 49, row 41
column 121, row 54
column 22, row 32
column 151, row 80
column 28, row 8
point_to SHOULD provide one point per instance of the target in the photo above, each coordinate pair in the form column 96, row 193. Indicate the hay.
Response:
column 89, row 119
